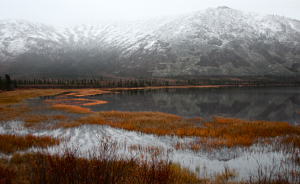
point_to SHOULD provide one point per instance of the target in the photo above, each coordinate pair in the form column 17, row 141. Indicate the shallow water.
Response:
column 272, row 103
column 244, row 161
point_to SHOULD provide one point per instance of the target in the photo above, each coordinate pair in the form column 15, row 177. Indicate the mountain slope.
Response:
column 216, row 41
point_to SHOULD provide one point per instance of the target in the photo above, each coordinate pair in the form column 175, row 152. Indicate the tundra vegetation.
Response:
column 19, row 164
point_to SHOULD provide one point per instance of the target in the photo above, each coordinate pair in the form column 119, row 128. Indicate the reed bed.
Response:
column 215, row 133
column 71, row 109
column 36, row 121
column 12, row 143
column 8, row 112
column 7, row 174
column 10, row 97
column 74, row 101
column 87, row 92
column 102, row 166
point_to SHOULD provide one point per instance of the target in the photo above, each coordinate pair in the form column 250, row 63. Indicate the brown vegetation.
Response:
column 215, row 133
column 102, row 166
column 10, row 97
column 71, row 109
column 74, row 101
column 12, row 143
column 87, row 92
column 9, row 112
column 7, row 174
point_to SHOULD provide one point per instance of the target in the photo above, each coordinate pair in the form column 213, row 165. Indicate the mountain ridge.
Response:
column 215, row 41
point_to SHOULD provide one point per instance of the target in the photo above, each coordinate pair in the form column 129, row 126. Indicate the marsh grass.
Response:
column 9, row 112
column 11, row 97
column 87, row 92
column 12, row 143
column 102, row 166
column 227, row 176
column 74, row 101
column 215, row 133
column 7, row 174
column 71, row 109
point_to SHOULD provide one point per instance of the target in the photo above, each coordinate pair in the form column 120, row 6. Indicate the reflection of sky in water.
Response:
column 275, row 104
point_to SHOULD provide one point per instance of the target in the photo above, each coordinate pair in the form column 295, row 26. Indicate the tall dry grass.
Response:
column 74, row 101
column 7, row 174
column 11, row 97
column 71, row 109
column 102, row 166
column 214, row 133
column 87, row 92
column 12, row 143
column 8, row 112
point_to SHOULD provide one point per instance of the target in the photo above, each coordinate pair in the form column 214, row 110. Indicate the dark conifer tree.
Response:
column 15, row 83
column 120, row 83
column 7, row 82
column 1, row 84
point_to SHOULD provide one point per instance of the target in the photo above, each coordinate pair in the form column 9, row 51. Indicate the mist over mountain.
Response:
column 215, row 41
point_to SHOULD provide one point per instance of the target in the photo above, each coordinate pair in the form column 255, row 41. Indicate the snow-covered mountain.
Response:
column 215, row 41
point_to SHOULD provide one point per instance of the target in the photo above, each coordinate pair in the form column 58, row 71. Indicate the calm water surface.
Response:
column 274, row 104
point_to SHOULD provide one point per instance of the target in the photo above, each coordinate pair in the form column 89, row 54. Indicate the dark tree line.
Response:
column 5, row 84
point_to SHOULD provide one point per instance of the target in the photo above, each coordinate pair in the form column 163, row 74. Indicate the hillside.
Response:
column 215, row 41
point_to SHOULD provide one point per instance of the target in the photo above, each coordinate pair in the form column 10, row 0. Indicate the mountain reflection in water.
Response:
column 272, row 104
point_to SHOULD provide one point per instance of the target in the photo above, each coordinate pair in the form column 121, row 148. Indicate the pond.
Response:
column 271, row 103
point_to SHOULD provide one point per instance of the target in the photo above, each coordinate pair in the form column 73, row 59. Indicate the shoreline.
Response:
column 32, row 87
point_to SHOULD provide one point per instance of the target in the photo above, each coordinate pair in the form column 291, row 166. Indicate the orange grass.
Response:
column 215, row 133
column 94, row 102
column 75, row 101
column 59, row 100
column 35, row 120
column 294, row 140
column 7, row 174
column 71, row 109
column 8, row 112
column 12, row 143
column 86, row 92
column 10, row 97
column 106, row 168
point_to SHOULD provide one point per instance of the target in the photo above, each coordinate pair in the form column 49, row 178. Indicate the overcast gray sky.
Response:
column 73, row 12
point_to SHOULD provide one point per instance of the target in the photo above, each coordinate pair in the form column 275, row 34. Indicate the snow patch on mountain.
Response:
column 179, row 42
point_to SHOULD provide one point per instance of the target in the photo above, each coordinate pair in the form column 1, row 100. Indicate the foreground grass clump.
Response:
column 7, row 174
column 103, row 165
column 12, row 143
